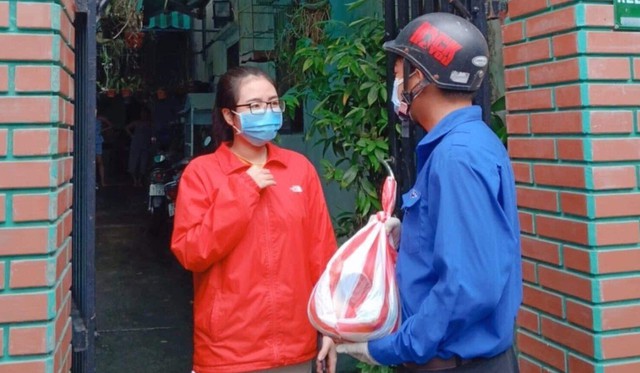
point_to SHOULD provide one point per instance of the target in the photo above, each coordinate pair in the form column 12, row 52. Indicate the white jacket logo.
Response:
column 296, row 189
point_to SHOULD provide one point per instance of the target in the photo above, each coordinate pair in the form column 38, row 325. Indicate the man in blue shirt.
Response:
column 459, row 266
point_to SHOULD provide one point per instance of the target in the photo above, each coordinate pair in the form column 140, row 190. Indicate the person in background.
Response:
column 164, row 113
column 252, row 225
column 459, row 266
column 132, row 105
column 102, row 125
column 142, row 136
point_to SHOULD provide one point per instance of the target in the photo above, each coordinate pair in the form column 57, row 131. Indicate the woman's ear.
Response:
column 228, row 116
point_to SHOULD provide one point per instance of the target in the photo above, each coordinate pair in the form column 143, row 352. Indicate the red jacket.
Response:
column 255, row 257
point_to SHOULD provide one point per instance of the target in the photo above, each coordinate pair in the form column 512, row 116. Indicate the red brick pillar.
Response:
column 573, row 91
column 36, row 115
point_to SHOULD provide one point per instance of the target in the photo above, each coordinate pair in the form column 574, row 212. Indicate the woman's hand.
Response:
column 261, row 176
column 327, row 357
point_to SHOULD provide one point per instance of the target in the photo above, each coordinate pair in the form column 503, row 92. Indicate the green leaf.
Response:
column 356, row 111
column 366, row 85
column 380, row 154
column 371, row 146
column 349, row 176
column 499, row 104
column 360, row 46
column 372, row 96
column 345, row 98
column 368, row 187
column 372, row 158
column 366, row 208
column 382, row 144
column 366, row 368
column 383, row 93
column 307, row 64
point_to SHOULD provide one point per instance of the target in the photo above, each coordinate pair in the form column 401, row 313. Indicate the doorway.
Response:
column 131, row 302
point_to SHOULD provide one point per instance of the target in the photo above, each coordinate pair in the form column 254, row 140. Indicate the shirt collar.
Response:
column 230, row 163
column 442, row 128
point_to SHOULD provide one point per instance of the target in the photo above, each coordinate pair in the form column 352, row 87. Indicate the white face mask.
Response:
column 400, row 107
column 395, row 96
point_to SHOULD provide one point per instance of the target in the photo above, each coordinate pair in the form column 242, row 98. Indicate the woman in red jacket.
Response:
column 252, row 225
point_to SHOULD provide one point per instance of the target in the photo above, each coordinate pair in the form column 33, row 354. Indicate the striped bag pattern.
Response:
column 356, row 297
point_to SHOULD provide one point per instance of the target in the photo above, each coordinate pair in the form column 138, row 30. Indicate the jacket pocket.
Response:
column 217, row 317
column 410, row 221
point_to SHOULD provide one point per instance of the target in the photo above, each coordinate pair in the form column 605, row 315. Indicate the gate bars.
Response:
column 84, row 195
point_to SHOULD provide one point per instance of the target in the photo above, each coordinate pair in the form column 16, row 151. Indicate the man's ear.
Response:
column 228, row 116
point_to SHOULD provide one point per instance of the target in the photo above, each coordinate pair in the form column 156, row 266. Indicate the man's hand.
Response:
column 327, row 357
column 359, row 351
column 261, row 176
column 392, row 226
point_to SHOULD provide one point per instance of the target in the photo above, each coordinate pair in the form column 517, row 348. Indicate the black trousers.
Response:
column 505, row 362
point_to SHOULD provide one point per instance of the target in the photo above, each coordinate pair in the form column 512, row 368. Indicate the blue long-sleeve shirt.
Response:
column 459, row 268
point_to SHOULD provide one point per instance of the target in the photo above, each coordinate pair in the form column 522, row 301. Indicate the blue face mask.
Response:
column 259, row 129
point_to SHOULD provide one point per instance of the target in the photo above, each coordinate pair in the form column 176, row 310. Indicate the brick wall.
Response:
column 36, row 117
column 573, row 89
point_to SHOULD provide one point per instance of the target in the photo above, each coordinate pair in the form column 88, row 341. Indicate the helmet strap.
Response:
column 411, row 95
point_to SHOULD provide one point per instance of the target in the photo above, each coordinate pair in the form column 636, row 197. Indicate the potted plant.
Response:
column 134, row 39
column 130, row 84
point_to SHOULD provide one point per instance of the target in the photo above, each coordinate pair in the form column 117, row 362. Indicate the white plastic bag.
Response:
column 356, row 297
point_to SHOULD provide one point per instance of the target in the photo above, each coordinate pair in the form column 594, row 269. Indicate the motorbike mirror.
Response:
column 207, row 141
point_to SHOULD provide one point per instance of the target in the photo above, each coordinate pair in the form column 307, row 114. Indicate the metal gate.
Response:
column 397, row 14
column 84, row 194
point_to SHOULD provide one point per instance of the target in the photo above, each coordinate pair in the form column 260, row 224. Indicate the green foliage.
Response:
column 118, row 18
column 344, row 76
column 497, row 122
column 366, row 368
column 110, row 57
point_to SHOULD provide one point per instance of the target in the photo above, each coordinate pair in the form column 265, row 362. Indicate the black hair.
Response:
column 227, row 98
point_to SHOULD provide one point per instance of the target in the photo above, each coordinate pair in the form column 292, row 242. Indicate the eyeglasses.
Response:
column 277, row 106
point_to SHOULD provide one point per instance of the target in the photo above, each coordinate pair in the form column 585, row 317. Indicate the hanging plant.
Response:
column 110, row 59
column 119, row 36
column 133, row 39
column 118, row 17
column 304, row 21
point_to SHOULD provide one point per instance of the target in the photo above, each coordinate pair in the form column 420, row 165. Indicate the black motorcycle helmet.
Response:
column 449, row 50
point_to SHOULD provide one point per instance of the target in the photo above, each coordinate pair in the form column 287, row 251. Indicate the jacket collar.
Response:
column 230, row 163
column 442, row 128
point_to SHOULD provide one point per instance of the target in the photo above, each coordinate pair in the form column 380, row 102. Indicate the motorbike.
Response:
column 171, row 187
column 163, row 189
column 163, row 186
